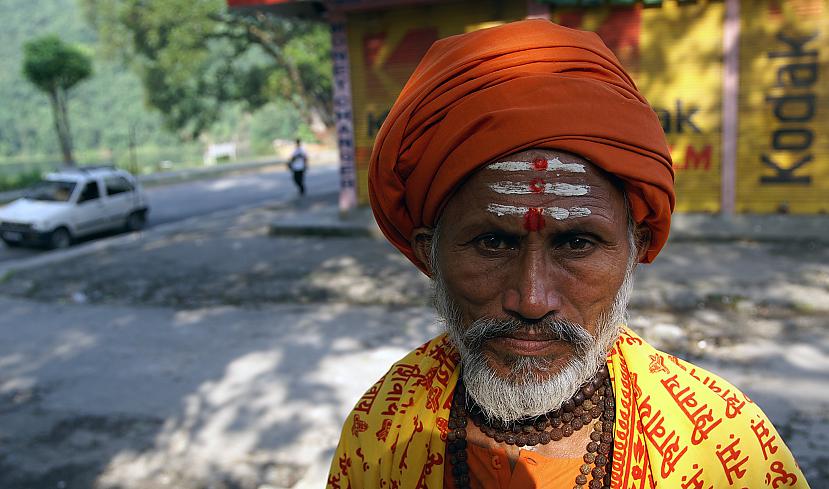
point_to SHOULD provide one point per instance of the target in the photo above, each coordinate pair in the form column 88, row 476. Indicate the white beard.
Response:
column 527, row 391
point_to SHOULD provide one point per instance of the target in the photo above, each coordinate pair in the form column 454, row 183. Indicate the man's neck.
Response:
column 573, row 446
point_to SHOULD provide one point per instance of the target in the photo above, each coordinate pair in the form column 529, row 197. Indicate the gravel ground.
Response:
column 754, row 312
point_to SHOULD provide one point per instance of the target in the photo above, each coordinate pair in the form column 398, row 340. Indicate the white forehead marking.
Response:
column 554, row 164
column 507, row 210
column 557, row 213
column 563, row 189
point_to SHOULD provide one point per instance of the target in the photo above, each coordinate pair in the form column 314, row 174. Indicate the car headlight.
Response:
column 41, row 225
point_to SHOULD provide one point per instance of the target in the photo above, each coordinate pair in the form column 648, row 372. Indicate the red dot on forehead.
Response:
column 533, row 219
column 540, row 164
column 537, row 185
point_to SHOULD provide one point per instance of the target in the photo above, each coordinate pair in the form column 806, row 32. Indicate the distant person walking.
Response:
column 298, row 163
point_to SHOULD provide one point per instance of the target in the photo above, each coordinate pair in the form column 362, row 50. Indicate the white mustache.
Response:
column 485, row 329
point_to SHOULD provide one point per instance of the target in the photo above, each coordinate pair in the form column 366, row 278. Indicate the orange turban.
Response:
column 484, row 95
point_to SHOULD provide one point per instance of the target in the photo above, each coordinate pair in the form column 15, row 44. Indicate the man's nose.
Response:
column 531, row 293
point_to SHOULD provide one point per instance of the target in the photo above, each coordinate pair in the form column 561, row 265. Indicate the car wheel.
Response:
column 12, row 244
column 60, row 239
column 136, row 221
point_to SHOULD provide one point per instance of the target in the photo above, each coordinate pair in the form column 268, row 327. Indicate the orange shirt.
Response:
column 489, row 468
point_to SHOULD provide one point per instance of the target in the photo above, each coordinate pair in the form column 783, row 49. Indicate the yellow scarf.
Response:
column 677, row 426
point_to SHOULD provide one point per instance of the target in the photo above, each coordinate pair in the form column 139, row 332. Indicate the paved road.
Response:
column 170, row 203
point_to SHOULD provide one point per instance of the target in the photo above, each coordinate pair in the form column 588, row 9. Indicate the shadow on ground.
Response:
column 198, row 398
column 217, row 356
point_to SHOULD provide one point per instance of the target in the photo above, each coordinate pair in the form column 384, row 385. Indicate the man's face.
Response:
column 531, row 256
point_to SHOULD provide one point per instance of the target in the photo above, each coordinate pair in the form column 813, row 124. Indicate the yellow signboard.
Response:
column 674, row 53
column 783, row 151
column 386, row 46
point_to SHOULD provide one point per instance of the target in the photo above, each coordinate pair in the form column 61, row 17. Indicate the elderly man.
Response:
column 521, row 170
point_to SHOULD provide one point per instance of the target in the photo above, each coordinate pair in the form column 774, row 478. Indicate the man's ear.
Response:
column 643, row 241
column 421, row 243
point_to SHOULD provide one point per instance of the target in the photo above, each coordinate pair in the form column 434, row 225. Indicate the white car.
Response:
column 72, row 203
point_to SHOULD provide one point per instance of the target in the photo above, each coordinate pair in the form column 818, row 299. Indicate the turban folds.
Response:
column 480, row 96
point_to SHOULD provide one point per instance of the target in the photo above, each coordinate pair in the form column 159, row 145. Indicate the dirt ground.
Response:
column 212, row 354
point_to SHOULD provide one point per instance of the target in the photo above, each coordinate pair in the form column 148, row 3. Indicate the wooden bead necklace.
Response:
column 593, row 401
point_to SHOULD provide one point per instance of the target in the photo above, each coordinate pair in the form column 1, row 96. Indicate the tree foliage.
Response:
column 55, row 67
column 108, row 110
column 196, row 58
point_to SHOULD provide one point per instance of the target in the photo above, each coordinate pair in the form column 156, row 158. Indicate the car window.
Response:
column 90, row 192
column 117, row 185
column 51, row 190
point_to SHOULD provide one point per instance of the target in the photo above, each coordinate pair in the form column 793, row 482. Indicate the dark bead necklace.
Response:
column 593, row 401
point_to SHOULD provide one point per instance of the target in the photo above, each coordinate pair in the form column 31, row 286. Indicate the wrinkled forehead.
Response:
column 545, row 173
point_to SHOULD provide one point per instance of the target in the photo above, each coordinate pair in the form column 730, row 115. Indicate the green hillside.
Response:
column 103, row 108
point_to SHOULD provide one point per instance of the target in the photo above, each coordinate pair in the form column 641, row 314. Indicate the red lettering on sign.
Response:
column 695, row 159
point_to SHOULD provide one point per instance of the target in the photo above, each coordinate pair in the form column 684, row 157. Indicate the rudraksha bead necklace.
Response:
column 593, row 401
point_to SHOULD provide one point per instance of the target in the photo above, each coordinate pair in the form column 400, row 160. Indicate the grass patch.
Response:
column 724, row 301
column 20, row 180
column 804, row 308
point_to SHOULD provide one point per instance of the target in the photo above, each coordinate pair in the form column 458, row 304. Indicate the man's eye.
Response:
column 495, row 243
column 578, row 244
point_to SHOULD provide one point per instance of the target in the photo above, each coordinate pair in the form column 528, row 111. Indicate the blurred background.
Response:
column 214, row 326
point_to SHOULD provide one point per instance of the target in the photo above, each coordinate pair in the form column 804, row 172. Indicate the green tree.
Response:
column 55, row 67
column 196, row 58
